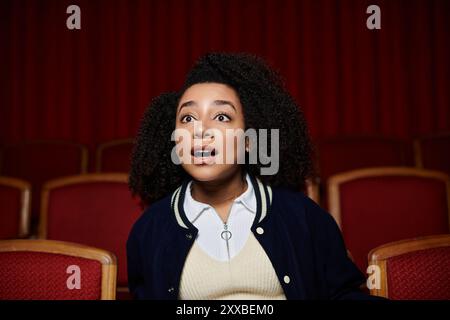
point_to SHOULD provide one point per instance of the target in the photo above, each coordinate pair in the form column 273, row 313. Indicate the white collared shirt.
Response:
column 210, row 226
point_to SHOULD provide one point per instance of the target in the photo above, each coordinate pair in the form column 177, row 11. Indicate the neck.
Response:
column 219, row 191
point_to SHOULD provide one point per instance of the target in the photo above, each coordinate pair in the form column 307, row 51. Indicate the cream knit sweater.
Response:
column 248, row 275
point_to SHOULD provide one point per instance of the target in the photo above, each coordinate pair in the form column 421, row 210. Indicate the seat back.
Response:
column 416, row 269
column 93, row 209
column 53, row 270
column 379, row 205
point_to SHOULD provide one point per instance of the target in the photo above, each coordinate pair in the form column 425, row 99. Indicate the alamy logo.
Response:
column 74, row 280
column 374, row 279
column 74, row 20
column 374, row 20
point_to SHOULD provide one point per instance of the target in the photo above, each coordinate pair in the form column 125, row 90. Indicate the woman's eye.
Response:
column 222, row 117
column 187, row 118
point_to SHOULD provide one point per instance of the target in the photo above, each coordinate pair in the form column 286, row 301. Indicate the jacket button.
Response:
column 259, row 230
column 189, row 236
column 171, row 289
column 286, row 279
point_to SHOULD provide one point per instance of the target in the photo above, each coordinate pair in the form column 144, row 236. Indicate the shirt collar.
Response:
column 248, row 198
column 194, row 208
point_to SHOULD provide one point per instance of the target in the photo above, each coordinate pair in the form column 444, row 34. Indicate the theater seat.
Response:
column 93, row 209
column 415, row 269
column 378, row 205
column 54, row 270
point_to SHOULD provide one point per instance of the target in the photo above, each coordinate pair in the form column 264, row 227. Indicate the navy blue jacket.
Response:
column 301, row 240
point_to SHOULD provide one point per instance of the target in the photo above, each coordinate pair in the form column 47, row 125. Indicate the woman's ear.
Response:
column 247, row 144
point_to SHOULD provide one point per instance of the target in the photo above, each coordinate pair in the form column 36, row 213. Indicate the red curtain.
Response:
column 93, row 84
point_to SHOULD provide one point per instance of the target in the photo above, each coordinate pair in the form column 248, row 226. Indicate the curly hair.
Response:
column 266, row 104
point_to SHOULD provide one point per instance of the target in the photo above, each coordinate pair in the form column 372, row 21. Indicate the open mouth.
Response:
column 203, row 154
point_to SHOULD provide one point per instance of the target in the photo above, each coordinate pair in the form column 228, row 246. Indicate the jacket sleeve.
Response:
column 343, row 278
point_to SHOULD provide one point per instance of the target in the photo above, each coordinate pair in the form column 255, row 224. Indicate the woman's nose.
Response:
column 201, row 130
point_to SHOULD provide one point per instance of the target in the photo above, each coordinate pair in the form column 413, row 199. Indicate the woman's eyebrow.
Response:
column 224, row 102
column 187, row 104
column 215, row 102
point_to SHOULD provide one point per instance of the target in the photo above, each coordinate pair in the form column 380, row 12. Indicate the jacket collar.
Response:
column 263, row 195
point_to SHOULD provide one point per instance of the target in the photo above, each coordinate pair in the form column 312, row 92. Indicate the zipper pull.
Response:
column 226, row 235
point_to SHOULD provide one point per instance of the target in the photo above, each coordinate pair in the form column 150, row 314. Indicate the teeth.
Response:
column 202, row 153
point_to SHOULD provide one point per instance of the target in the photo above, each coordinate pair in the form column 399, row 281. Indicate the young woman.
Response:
column 222, row 229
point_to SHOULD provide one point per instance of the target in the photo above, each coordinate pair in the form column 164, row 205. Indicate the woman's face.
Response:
column 212, row 120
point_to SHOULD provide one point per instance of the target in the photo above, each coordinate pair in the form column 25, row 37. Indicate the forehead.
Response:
column 209, row 91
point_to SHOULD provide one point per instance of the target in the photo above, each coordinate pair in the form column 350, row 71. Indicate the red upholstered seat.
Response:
column 114, row 156
column 433, row 152
column 44, row 270
column 93, row 209
column 39, row 161
column 416, row 269
column 380, row 205
column 14, row 208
